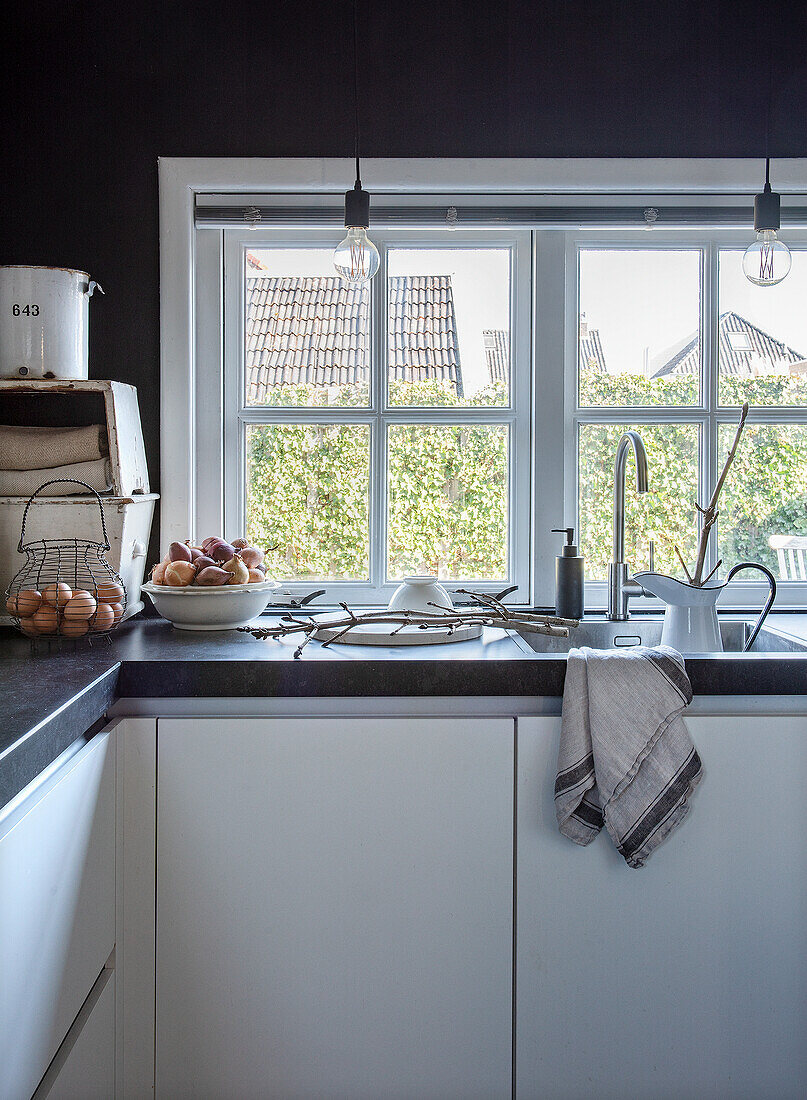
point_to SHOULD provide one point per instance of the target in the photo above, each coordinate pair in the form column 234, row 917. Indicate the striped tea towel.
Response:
column 626, row 759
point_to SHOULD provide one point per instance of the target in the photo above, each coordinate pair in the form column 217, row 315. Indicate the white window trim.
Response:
column 191, row 403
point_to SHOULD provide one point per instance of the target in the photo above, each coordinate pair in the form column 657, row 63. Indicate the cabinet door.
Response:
column 686, row 979
column 334, row 908
column 57, row 907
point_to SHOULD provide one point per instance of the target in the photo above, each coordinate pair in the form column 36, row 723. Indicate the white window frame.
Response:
column 708, row 415
column 379, row 415
column 192, row 390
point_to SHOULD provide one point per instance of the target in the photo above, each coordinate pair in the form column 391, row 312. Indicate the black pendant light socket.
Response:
column 767, row 204
column 357, row 207
column 766, row 210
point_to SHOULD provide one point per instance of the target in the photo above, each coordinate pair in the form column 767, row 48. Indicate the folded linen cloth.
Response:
column 24, row 483
column 24, row 448
column 626, row 758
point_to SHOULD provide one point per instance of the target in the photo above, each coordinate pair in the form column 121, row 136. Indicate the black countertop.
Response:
column 51, row 697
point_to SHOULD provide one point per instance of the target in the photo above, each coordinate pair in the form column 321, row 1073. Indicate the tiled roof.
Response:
column 734, row 358
column 497, row 354
column 315, row 331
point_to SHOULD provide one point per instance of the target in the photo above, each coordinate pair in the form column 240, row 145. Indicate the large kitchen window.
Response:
column 378, row 431
column 445, row 418
column 671, row 339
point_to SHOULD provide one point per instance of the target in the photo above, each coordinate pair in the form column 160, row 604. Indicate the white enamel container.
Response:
column 44, row 313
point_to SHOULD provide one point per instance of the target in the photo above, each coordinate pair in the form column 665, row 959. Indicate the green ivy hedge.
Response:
column 307, row 485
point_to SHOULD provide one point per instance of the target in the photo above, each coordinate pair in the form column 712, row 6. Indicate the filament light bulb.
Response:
column 356, row 257
column 767, row 260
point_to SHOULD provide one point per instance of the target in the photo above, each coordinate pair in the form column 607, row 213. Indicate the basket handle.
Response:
column 63, row 481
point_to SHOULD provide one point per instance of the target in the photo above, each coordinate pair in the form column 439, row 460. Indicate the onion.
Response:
column 179, row 574
column 178, row 551
column 212, row 575
column 158, row 573
column 238, row 568
column 221, row 551
column 252, row 556
column 255, row 576
column 239, row 544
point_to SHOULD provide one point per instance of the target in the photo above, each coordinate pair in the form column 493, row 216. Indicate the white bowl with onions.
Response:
column 215, row 586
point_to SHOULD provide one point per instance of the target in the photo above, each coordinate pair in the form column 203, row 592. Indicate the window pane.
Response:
column 639, row 327
column 306, row 331
column 666, row 513
column 449, row 326
column 762, row 335
column 764, row 495
column 307, row 489
column 448, row 501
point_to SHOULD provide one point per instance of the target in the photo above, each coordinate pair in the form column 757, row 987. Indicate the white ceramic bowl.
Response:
column 418, row 593
column 223, row 607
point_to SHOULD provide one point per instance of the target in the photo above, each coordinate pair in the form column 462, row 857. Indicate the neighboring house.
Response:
column 497, row 354
column 745, row 350
column 314, row 331
column 590, row 353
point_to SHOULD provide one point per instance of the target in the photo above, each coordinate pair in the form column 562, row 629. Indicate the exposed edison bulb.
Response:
column 356, row 257
column 767, row 261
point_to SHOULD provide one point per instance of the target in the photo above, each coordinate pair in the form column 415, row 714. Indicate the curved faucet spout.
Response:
column 629, row 439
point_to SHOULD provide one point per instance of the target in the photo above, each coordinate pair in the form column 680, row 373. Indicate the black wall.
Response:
column 94, row 92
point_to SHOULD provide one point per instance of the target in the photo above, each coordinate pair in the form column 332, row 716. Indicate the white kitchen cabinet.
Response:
column 687, row 979
column 57, row 906
column 334, row 908
column 84, row 1066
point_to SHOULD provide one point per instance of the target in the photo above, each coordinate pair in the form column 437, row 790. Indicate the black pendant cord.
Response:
column 356, row 93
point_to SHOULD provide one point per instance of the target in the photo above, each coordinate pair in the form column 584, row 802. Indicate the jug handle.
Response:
column 768, row 603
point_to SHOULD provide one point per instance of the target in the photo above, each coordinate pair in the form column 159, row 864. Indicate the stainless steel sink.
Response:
column 617, row 635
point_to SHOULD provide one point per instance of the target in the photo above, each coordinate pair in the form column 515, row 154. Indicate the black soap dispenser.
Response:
column 568, row 578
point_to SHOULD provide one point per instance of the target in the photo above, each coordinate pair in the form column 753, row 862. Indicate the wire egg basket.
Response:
column 67, row 588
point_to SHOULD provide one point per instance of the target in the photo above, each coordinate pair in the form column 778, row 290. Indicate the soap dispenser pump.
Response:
column 569, row 579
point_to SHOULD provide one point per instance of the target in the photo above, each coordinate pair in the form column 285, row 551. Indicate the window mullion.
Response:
column 711, row 382
column 378, row 444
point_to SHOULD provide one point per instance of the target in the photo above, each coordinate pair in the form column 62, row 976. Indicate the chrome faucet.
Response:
column 620, row 586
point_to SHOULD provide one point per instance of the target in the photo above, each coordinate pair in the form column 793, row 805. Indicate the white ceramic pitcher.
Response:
column 690, row 619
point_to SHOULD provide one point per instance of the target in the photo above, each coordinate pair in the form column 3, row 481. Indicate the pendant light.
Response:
column 767, row 261
column 356, row 257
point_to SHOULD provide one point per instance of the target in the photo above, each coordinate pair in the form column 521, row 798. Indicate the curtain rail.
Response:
column 487, row 217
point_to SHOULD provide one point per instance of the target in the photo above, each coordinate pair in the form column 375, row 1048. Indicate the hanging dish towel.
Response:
column 626, row 759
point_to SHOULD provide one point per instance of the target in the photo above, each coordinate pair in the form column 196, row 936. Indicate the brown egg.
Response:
column 57, row 595
column 81, row 606
column 25, row 603
column 74, row 628
column 117, row 611
column 28, row 626
column 46, row 620
column 103, row 619
column 110, row 591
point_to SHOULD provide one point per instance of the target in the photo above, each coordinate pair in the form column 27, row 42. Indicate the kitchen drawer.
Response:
column 57, row 906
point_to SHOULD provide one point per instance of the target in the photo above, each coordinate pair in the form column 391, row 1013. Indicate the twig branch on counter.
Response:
column 490, row 613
